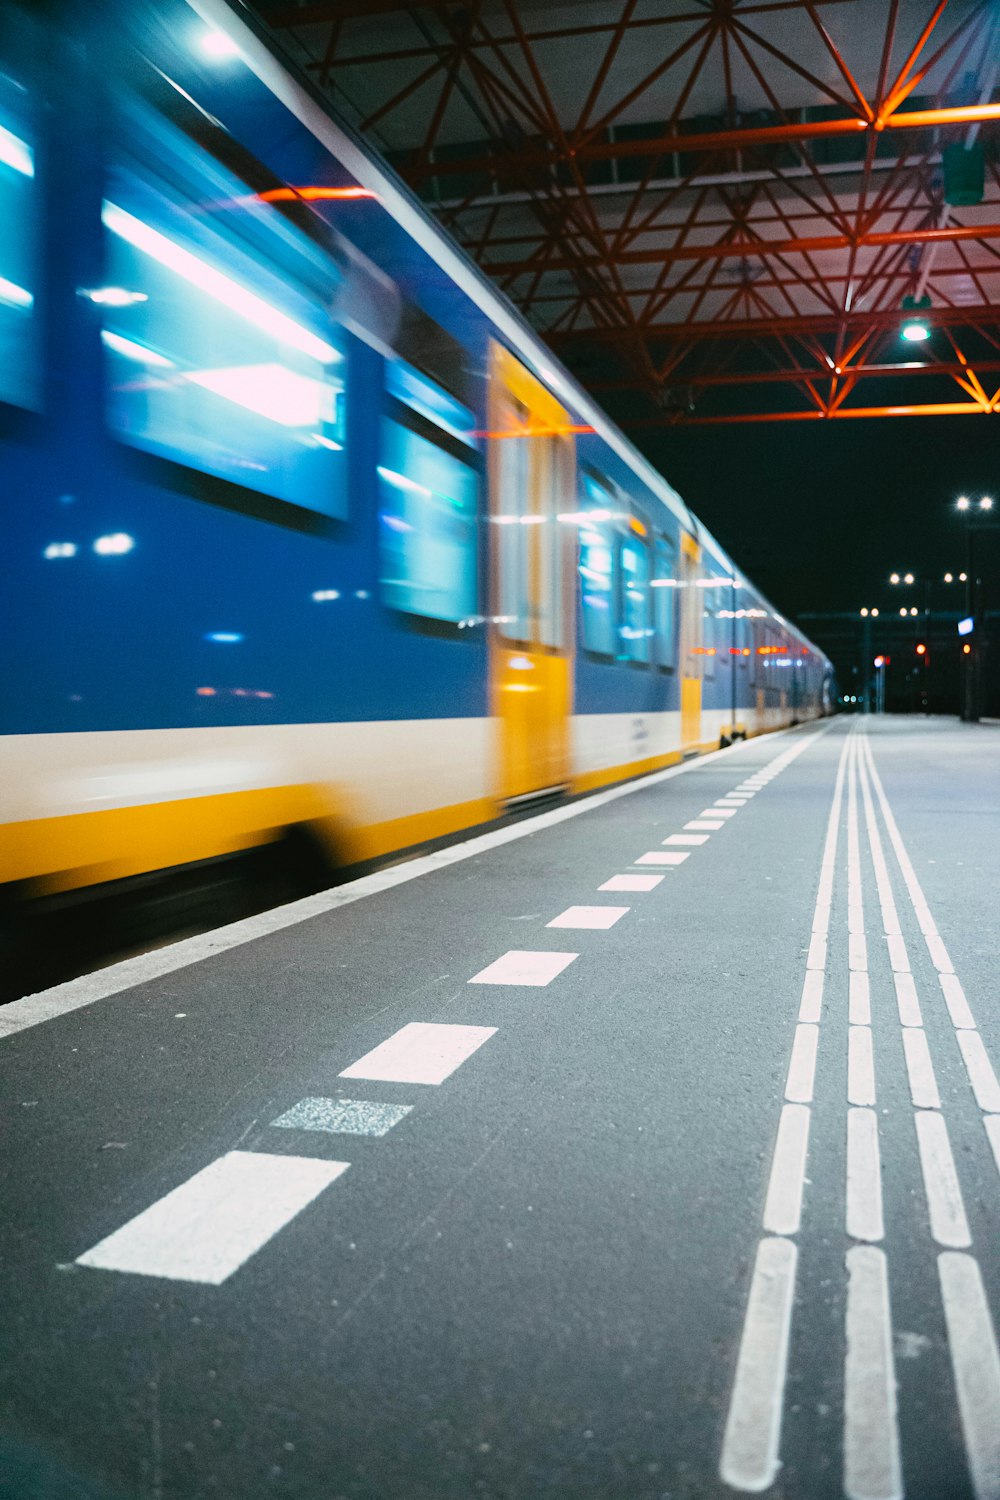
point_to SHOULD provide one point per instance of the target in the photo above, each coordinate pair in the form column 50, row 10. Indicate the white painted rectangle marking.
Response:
column 958, row 1007
column 949, row 1225
column 859, row 1005
column 821, row 917
column 687, row 838
column 816, row 957
column 872, row 1469
column 975, row 1361
column 522, row 967
column 898, row 957
column 421, row 1052
column 864, row 1176
column 698, row 825
column 860, row 1066
column 906, row 1000
column 632, row 883
column 980, row 1071
column 855, row 917
column 656, row 857
column 802, row 1067
column 812, row 996
column 920, row 1069
column 783, row 1206
column 343, row 1116
column 857, row 951
column 208, row 1227
column 734, row 802
column 600, row 917
column 752, row 1438
column 718, row 812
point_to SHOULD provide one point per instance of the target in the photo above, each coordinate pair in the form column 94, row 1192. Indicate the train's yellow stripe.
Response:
column 79, row 849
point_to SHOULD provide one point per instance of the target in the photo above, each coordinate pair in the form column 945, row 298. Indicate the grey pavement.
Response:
column 536, row 1280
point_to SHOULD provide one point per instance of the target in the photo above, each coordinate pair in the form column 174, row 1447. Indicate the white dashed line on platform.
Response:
column 423, row 1051
column 600, row 917
column 209, row 1226
column 632, row 883
column 654, row 857
column 719, row 812
column 920, row 1069
column 687, row 838
column 524, row 967
column 697, row 825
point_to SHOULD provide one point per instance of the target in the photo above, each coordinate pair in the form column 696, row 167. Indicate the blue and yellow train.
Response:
column 309, row 542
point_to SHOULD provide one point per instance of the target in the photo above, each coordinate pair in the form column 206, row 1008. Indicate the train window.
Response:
column 635, row 630
column 664, row 585
column 220, row 350
column 19, row 372
column 511, row 538
column 428, row 500
column 597, row 569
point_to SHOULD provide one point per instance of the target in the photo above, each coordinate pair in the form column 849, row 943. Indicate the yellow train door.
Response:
column 692, row 598
column 531, row 474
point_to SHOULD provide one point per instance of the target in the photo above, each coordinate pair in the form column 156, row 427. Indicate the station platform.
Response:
column 645, row 1149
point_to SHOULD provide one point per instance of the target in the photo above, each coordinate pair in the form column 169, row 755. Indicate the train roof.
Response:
column 285, row 81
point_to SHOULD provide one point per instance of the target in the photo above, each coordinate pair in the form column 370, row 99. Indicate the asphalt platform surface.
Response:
column 611, row 1250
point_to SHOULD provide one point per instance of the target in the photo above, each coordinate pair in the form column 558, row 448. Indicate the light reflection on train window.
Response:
column 635, row 627
column 19, row 373
column 427, row 527
column 597, row 573
column 223, row 356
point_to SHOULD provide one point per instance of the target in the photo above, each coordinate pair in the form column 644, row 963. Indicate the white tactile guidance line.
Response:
column 209, row 1226
column 421, row 1052
column 949, row 1225
column 976, row 1363
column 522, row 967
column 343, row 1116
column 753, row 1429
column 872, row 1468
column 600, row 917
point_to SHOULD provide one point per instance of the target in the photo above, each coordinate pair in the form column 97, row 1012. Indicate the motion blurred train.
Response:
column 312, row 550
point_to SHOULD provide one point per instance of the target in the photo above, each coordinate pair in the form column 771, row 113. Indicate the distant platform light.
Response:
column 965, row 627
column 116, row 544
column 875, row 613
column 962, row 503
column 864, row 613
column 224, row 637
column 903, row 610
column 60, row 549
column 915, row 331
column 908, row 578
column 986, row 503
column 322, row 596
column 893, row 577
column 913, row 611
column 949, row 578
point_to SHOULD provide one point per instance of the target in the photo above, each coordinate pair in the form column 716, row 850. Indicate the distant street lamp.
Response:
column 970, row 510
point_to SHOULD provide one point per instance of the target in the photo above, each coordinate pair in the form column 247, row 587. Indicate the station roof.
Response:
column 712, row 210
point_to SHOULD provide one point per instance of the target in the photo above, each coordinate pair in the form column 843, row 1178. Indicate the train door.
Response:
column 692, row 599
column 531, row 469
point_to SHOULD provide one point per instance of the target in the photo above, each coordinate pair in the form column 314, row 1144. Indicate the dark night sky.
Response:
column 819, row 513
